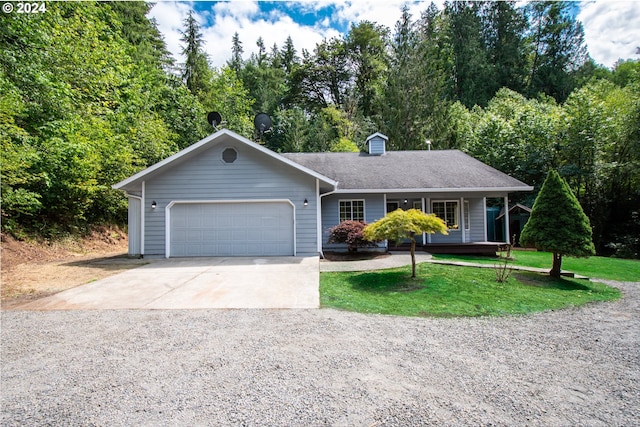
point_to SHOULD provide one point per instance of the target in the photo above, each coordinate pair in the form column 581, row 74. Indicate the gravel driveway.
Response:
column 322, row 367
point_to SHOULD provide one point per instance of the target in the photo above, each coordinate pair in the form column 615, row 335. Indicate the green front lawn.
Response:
column 444, row 291
column 625, row 270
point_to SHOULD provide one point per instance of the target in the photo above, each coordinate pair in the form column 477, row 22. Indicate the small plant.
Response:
column 503, row 266
column 350, row 232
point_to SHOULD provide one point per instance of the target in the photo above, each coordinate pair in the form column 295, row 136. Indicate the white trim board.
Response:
column 167, row 219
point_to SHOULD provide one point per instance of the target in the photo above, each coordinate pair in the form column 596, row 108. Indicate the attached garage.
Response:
column 226, row 196
column 231, row 228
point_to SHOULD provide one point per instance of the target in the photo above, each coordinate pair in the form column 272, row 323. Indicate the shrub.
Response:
column 350, row 232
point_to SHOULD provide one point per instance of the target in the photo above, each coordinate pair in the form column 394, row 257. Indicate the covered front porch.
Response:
column 465, row 214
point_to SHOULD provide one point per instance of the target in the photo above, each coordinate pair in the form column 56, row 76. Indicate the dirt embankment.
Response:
column 33, row 269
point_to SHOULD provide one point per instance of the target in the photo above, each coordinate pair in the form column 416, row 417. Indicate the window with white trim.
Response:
column 448, row 211
column 467, row 216
column 351, row 210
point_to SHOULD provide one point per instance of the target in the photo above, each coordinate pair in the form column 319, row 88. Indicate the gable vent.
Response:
column 376, row 144
column 229, row 155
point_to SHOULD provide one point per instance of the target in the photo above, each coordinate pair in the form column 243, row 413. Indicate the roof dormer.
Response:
column 376, row 144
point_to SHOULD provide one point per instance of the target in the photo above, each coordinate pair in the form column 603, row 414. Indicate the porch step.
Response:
column 478, row 248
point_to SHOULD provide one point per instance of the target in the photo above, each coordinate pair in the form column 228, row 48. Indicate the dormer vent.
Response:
column 376, row 144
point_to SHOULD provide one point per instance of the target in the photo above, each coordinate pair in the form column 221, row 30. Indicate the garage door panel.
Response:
column 231, row 229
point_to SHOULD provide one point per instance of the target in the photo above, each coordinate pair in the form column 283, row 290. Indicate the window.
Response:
column 448, row 211
column 352, row 210
column 229, row 155
column 467, row 216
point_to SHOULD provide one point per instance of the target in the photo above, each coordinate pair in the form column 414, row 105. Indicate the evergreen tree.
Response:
column 415, row 107
column 504, row 32
column 402, row 90
column 236, row 53
column 435, row 66
column 558, row 49
column 259, row 57
column 264, row 78
column 196, row 73
column 473, row 81
column 558, row 224
column 141, row 33
column 288, row 54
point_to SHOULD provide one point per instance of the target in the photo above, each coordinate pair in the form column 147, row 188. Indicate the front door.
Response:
column 392, row 206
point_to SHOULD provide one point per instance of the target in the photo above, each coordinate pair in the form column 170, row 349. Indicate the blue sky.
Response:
column 611, row 27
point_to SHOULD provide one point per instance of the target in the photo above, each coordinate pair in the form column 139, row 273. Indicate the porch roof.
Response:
column 436, row 171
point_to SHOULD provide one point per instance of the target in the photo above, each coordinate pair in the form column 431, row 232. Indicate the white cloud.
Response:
column 611, row 29
column 251, row 25
column 382, row 12
column 169, row 17
column 223, row 19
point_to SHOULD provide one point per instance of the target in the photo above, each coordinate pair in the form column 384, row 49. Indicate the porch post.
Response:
column 484, row 212
column 428, row 210
column 506, row 219
column 384, row 202
column 462, row 224
column 424, row 235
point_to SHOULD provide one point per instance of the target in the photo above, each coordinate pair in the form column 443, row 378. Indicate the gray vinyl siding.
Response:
column 374, row 209
column 134, row 230
column 253, row 176
column 476, row 213
column 376, row 145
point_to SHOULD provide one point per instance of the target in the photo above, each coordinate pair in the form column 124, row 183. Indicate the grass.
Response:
column 625, row 270
column 448, row 291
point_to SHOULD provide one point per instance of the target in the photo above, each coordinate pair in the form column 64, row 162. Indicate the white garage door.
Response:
column 231, row 229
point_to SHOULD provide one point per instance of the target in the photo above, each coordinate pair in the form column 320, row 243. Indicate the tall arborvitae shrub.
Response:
column 558, row 224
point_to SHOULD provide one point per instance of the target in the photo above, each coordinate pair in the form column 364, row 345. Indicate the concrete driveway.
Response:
column 191, row 283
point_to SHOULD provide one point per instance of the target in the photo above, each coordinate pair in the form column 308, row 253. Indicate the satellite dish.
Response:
column 214, row 118
column 262, row 122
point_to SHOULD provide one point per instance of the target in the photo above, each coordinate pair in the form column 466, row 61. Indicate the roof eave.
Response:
column 436, row 190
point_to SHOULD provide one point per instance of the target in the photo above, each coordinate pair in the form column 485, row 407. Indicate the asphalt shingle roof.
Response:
column 436, row 169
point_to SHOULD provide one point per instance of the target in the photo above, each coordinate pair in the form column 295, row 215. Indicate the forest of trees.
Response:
column 89, row 95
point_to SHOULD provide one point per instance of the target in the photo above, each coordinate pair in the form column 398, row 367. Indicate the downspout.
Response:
column 319, row 213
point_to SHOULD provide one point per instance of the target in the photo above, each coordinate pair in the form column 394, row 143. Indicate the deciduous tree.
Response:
column 401, row 224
